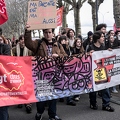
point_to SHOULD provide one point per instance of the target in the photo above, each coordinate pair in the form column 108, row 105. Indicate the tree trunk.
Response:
column 116, row 10
column 64, row 21
column 77, row 20
column 94, row 17
column 95, row 6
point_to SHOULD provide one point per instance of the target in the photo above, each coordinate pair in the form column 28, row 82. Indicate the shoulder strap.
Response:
column 39, row 43
column 87, row 48
column 74, row 49
column 58, row 44
column 92, row 47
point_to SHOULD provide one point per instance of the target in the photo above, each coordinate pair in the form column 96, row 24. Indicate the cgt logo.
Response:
column 3, row 78
column 11, row 81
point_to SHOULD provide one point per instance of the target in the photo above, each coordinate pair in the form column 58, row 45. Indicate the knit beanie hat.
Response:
column 89, row 33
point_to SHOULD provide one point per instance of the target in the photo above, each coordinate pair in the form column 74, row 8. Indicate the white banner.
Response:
column 106, row 69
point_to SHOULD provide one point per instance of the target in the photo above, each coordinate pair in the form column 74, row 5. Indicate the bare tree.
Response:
column 95, row 7
column 116, row 11
column 76, row 6
column 66, row 9
column 17, row 14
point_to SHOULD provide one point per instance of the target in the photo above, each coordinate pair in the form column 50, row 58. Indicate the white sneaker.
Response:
column 114, row 91
column 77, row 98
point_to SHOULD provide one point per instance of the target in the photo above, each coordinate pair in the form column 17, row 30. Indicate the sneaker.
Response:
column 72, row 103
column 94, row 107
column 38, row 116
column 114, row 91
column 108, row 108
column 28, row 108
column 76, row 98
column 55, row 118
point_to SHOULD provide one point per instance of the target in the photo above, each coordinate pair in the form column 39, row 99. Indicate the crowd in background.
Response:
column 72, row 46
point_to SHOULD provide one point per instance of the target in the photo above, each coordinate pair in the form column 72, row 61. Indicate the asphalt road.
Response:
column 79, row 112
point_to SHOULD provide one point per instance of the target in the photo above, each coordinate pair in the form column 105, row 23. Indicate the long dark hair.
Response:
column 68, row 33
column 97, row 36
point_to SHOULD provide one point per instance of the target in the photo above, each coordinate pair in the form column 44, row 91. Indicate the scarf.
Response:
column 25, row 51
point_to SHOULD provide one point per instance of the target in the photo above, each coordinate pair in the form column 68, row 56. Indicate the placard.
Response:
column 42, row 14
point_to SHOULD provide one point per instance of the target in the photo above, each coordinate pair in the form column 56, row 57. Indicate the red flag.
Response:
column 3, row 12
column 59, row 16
column 115, row 28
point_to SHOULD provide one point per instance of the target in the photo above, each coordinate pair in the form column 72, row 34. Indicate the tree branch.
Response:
column 69, row 2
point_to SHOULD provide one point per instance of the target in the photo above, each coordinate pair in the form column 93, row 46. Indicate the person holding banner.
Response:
column 4, row 50
column 97, row 45
column 113, row 43
column 47, row 47
column 65, row 43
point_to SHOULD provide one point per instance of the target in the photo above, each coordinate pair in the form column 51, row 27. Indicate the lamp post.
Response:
column 96, row 4
column 103, row 15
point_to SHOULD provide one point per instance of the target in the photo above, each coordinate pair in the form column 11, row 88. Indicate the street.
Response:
column 79, row 112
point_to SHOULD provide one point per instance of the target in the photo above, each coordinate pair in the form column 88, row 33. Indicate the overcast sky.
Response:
column 105, row 15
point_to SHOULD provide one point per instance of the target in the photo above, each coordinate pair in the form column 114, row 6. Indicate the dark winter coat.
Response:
column 42, row 51
column 5, row 49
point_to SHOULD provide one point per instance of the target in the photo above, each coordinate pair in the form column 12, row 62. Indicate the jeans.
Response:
column 4, row 113
column 105, row 97
column 51, row 107
column 69, row 99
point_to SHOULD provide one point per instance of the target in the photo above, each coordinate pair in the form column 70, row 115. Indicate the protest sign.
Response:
column 106, row 69
column 42, row 14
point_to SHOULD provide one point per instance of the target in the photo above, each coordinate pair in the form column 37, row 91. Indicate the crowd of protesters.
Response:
column 64, row 44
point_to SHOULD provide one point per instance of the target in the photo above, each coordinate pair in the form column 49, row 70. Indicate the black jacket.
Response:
column 114, row 45
column 5, row 49
column 95, row 48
